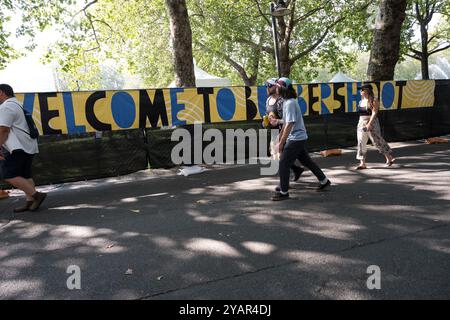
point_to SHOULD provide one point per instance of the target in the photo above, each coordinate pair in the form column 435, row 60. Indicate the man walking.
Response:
column 15, row 138
column 274, row 112
column 292, row 141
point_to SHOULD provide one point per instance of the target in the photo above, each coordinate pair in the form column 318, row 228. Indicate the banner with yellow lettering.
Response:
column 79, row 112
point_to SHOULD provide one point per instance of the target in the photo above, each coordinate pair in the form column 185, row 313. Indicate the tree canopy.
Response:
column 229, row 38
column 432, row 39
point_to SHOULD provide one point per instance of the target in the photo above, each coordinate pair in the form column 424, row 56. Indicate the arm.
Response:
column 284, row 134
column 280, row 134
column 4, row 132
column 277, row 115
column 375, row 108
column 274, row 122
column 290, row 116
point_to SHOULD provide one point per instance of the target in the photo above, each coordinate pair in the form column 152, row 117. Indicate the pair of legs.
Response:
column 295, row 167
column 297, row 150
column 26, row 185
column 34, row 198
column 17, row 172
column 377, row 140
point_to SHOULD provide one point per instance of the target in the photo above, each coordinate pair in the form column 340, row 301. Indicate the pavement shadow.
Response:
column 217, row 235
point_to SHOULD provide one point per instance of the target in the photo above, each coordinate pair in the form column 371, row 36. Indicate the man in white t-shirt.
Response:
column 15, row 138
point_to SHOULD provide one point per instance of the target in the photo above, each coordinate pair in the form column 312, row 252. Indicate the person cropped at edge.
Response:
column 15, row 138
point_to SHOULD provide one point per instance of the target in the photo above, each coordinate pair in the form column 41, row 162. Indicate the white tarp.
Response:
column 341, row 77
column 204, row 79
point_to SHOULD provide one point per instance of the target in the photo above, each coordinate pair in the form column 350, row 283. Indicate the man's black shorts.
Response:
column 17, row 164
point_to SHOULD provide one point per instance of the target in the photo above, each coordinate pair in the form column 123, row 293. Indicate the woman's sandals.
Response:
column 390, row 163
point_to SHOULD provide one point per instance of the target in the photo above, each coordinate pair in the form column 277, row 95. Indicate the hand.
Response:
column 369, row 127
column 273, row 121
column 279, row 147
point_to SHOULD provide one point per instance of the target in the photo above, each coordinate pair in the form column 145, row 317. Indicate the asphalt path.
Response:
column 217, row 235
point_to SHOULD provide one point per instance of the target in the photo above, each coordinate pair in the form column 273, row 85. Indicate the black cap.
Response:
column 366, row 86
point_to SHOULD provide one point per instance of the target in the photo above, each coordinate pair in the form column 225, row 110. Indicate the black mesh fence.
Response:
column 440, row 114
column 159, row 148
column 160, row 145
column 65, row 158
column 337, row 130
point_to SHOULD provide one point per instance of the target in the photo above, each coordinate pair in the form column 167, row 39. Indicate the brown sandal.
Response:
column 360, row 167
column 390, row 163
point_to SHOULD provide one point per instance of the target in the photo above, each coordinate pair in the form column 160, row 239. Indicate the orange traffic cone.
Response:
column 331, row 152
column 436, row 140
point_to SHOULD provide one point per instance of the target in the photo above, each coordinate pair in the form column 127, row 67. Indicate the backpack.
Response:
column 34, row 132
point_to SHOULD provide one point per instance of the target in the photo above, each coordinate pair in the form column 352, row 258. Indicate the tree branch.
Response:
column 418, row 13
column 88, row 16
column 83, row 9
column 430, row 11
column 111, row 30
column 240, row 69
column 415, row 51
column 250, row 43
column 258, row 5
column 311, row 12
column 257, row 58
column 317, row 43
column 431, row 38
column 440, row 49
column 327, row 30
column 291, row 23
column 413, row 56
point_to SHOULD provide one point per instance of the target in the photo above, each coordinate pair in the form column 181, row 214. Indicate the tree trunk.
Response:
column 386, row 40
column 424, row 65
column 424, row 57
column 285, row 62
column 181, row 40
